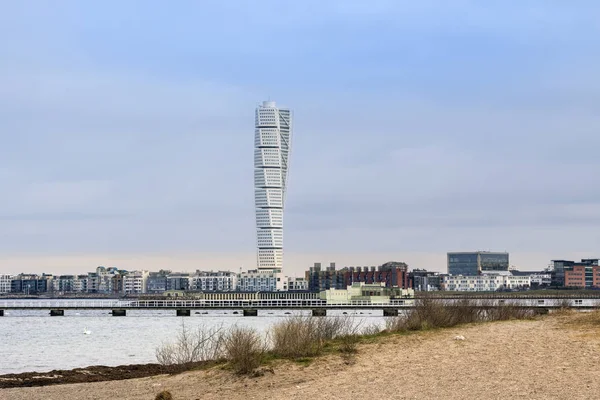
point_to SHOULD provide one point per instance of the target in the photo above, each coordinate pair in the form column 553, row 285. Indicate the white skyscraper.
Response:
column 273, row 131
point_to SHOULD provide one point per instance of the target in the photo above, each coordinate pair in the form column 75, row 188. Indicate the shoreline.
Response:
column 549, row 357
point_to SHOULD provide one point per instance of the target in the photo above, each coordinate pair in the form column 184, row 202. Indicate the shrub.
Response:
column 299, row 337
column 192, row 346
column 244, row 349
column 431, row 313
column 349, row 343
column 164, row 395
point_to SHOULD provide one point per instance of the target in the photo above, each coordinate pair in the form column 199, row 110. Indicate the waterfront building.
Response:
column 157, row 282
column 64, row 283
column 322, row 278
column 425, row 281
column 539, row 279
column 558, row 271
column 361, row 292
column 485, row 282
column 392, row 274
column 179, row 281
column 135, row 282
column 272, row 145
column 220, row 281
column 297, row 284
column 80, row 285
column 32, row 284
column 584, row 274
column 478, row 262
column 5, row 283
column 108, row 280
column 262, row 280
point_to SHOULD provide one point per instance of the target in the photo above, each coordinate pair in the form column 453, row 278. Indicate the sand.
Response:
column 555, row 357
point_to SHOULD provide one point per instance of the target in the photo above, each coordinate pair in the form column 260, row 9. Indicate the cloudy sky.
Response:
column 421, row 128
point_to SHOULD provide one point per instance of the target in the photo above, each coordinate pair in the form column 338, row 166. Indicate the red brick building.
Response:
column 585, row 274
column 393, row 274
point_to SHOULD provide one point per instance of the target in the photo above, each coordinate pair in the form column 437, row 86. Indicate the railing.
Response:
column 279, row 303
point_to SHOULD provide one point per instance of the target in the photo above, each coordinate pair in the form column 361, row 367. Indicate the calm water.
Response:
column 34, row 341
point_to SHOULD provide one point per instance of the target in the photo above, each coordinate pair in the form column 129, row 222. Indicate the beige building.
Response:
column 376, row 293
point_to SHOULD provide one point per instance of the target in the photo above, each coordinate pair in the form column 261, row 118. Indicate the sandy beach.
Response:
column 547, row 358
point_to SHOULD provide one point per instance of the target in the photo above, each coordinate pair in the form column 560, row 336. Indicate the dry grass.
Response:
column 192, row 347
column 585, row 320
column 431, row 313
column 244, row 349
column 299, row 337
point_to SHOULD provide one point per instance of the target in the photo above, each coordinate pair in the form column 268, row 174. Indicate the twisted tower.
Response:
column 272, row 134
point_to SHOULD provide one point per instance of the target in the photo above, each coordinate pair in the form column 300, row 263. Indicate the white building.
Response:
column 484, row 283
column 297, row 284
column 220, row 281
column 135, row 282
column 5, row 283
column 272, row 135
column 262, row 281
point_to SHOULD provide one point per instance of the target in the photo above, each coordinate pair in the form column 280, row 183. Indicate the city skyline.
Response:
column 426, row 128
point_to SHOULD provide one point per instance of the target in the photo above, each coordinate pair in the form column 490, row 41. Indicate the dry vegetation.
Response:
column 301, row 338
column 554, row 357
column 433, row 314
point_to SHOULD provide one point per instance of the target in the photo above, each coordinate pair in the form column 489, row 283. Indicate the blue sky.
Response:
column 420, row 128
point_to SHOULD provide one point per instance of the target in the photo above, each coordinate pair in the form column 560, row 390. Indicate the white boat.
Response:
column 86, row 331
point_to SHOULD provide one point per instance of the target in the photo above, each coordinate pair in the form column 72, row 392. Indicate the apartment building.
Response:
column 484, row 283
column 135, row 282
column 5, row 283
column 209, row 281
column 392, row 274
column 262, row 280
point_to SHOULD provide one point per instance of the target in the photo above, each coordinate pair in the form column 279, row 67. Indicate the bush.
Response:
column 299, row 337
column 164, row 395
column 349, row 343
column 192, row 347
column 431, row 313
column 244, row 349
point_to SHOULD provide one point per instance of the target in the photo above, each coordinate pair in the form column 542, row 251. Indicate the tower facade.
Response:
column 272, row 135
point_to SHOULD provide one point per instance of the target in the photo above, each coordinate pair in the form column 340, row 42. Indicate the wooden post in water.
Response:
column 390, row 312
column 319, row 312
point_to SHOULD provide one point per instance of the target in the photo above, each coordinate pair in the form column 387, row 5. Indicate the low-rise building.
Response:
column 297, row 284
column 5, row 283
column 425, row 281
column 64, row 283
column 179, row 281
column 361, row 292
column 262, row 281
column 135, row 282
column 157, row 282
column 392, row 274
column 485, row 283
column 209, row 281
column 539, row 279
column 32, row 284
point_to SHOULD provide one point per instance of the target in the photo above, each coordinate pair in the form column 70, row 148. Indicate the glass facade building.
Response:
column 475, row 263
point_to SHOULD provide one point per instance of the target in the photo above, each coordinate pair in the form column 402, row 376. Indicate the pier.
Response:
column 318, row 307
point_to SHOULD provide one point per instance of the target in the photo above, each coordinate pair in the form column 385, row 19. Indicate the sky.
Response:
column 420, row 128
